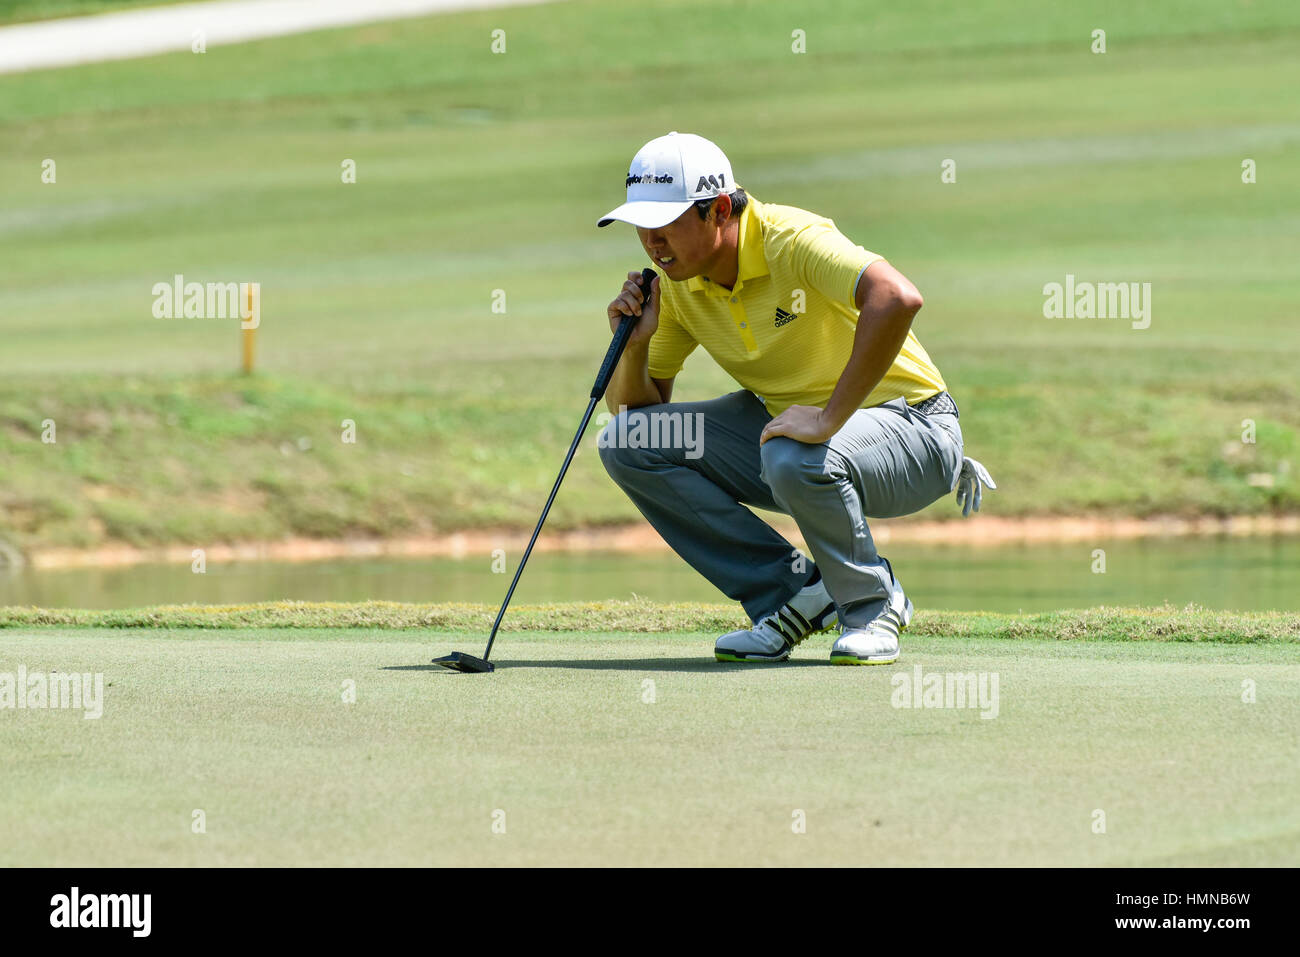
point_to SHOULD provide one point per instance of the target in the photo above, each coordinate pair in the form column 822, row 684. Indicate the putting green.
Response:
column 640, row 749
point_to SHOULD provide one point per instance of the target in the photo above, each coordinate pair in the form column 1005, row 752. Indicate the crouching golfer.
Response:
column 841, row 415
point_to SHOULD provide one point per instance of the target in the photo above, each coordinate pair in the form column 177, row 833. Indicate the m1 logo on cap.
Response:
column 719, row 182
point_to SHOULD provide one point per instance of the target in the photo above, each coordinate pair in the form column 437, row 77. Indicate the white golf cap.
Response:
column 667, row 175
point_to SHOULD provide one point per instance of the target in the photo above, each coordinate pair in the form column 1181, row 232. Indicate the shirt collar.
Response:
column 752, row 261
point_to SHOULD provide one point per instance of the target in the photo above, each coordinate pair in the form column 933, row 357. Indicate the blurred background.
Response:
column 450, row 301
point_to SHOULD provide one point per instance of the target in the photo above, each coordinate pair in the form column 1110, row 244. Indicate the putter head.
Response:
column 459, row 661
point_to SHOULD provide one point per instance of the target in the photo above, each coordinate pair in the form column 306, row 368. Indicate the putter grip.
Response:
column 620, row 340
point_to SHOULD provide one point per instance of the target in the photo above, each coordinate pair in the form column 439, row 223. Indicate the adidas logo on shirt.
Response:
column 782, row 317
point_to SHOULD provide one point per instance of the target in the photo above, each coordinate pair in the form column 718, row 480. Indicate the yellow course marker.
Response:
column 249, row 336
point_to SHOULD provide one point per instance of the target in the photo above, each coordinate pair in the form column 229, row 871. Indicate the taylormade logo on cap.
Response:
column 667, row 175
column 649, row 178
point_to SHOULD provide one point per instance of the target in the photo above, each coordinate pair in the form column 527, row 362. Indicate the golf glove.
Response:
column 970, row 485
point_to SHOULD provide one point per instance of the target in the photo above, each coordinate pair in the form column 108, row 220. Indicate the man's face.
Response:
column 690, row 244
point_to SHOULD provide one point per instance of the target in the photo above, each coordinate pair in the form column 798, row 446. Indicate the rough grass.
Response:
column 377, row 296
column 1163, row 623
column 23, row 11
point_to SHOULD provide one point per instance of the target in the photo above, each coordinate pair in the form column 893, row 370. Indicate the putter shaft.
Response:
column 612, row 356
column 591, row 406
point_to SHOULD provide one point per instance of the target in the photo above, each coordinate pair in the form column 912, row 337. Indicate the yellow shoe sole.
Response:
column 851, row 660
column 724, row 656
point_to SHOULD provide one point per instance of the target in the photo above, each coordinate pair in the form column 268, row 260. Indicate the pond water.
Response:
column 1239, row 573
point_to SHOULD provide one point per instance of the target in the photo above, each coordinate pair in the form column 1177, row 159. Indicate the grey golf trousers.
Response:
column 886, row 461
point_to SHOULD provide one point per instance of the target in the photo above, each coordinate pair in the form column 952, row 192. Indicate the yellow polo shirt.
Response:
column 785, row 331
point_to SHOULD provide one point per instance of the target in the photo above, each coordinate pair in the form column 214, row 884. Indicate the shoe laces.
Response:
column 786, row 625
column 874, row 624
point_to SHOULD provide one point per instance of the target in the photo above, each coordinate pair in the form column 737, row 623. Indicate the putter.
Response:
column 458, row 660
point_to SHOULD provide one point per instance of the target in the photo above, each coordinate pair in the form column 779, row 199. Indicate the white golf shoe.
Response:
column 875, row 643
column 773, row 638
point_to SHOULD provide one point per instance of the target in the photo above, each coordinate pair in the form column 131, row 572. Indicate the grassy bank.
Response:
column 1163, row 623
column 377, row 296
column 221, row 458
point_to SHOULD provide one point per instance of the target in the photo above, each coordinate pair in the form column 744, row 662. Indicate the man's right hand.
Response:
column 629, row 303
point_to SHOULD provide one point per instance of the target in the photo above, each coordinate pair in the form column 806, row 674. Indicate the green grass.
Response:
column 1161, row 623
column 23, row 11
column 479, row 172
column 638, row 748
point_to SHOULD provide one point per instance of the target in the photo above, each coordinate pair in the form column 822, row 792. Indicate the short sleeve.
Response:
column 828, row 261
column 669, row 346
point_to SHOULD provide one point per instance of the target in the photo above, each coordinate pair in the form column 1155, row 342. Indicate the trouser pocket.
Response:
column 950, row 429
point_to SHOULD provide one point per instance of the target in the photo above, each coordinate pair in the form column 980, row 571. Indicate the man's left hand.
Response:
column 803, row 423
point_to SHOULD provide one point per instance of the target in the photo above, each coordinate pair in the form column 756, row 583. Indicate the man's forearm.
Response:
column 880, row 335
column 631, row 384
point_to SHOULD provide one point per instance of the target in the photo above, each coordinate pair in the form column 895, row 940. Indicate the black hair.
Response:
column 738, row 203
